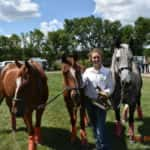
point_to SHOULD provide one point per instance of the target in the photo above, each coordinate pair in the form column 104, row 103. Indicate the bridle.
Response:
column 123, row 84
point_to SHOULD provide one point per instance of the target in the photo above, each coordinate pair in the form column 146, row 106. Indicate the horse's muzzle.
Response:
column 75, row 96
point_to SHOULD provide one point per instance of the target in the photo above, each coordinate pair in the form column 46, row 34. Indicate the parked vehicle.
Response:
column 4, row 63
column 42, row 62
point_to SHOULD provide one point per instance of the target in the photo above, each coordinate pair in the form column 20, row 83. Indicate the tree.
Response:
column 126, row 33
column 58, row 41
column 4, row 42
column 38, row 39
column 84, row 32
column 142, row 29
column 15, row 41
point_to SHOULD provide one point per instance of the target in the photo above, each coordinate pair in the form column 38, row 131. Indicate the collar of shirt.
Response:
column 101, row 70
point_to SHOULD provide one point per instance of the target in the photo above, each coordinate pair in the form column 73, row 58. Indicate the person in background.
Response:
column 95, row 77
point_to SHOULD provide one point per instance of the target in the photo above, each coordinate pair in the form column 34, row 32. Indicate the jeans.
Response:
column 97, row 118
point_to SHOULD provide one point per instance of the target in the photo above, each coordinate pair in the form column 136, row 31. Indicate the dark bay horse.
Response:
column 128, row 83
column 73, row 95
column 25, row 88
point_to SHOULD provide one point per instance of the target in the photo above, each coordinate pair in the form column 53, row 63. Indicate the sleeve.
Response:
column 110, row 85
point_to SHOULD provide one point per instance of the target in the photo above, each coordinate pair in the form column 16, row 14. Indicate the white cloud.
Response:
column 127, row 11
column 52, row 25
column 18, row 9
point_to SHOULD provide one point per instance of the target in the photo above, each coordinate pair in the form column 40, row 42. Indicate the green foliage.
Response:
column 85, row 62
column 56, row 65
column 147, row 52
column 78, row 34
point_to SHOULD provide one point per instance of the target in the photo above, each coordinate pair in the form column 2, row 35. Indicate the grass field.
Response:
column 56, row 125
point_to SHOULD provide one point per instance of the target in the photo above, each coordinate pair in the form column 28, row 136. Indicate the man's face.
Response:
column 96, row 58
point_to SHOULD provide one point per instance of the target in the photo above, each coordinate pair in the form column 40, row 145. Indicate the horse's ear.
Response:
column 64, row 58
column 75, row 55
column 27, row 64
column 18, row 64
column 81, row 68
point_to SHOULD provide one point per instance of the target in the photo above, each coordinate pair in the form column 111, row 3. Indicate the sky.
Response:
column 21, row 16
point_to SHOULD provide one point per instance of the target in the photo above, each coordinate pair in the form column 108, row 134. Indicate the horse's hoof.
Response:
column 14, row 130
column 131, row 139
column 73, row 139
column 31, row 143
column 37, row 135
column 131, row 131
column 139, row 113
column 118, row 129
column 37, row 141
column 84, row 142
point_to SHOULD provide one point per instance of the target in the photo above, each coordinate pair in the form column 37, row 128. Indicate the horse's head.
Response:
column 72, row 77
column 23, row 81
column 122, row 64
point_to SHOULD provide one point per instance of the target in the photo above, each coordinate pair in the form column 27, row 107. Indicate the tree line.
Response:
column 78, row 34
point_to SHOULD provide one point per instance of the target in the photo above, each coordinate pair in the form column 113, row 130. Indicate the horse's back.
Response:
column 8, row 79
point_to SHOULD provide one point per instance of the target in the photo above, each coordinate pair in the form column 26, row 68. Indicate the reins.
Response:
column 56, row 96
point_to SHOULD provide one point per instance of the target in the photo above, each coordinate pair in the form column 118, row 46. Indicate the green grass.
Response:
column 56, row 125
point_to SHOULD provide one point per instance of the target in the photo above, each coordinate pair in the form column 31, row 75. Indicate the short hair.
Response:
column 95, row 50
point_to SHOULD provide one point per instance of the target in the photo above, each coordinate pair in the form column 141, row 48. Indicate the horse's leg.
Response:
column 83, row 124
column 131, row 121
column 139, row 109
column 13, row 122
column 125, row 113
column 37, row 129
column 31, row 141
column 118, row 125
column 73, row 117
column 13, row 117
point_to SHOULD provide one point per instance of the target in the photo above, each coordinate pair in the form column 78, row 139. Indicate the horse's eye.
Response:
column 130, row 59
column 25, row 77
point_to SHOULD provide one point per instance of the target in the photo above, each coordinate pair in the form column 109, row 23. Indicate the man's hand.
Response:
column 103, row 95
column 103, row 100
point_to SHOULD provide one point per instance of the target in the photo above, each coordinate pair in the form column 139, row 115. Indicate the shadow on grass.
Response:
column 10, row 130
column 115, row 142
column 144, row 130
column 59, row 139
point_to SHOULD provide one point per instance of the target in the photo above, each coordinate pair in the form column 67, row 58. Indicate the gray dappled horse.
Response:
column 128, row 83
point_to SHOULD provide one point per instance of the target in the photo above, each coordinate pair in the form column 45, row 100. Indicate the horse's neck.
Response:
column 135, row 68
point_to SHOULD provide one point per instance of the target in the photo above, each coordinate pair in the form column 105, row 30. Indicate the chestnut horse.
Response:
column 74, row 96
column 25, row 88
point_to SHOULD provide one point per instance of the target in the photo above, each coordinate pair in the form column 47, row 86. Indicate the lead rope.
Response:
column 55, row 97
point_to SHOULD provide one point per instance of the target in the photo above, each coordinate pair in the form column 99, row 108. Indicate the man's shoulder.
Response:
column 89, row 69
column 105, row 70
